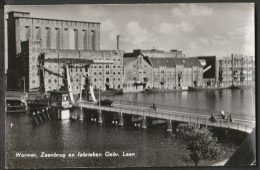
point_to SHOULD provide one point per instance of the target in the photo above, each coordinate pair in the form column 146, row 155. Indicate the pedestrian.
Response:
column 222, row 113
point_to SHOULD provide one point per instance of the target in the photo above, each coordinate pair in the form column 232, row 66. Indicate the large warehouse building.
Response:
column 29, row 38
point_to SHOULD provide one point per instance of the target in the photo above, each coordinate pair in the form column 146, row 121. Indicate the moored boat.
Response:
column 242, row 86
column 206, row 88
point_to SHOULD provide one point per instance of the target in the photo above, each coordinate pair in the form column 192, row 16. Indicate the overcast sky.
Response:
column 195, row 29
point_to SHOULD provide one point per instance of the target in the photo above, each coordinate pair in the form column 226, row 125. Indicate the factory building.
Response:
column 236, row 70
column 162, row 72
column 30, row 38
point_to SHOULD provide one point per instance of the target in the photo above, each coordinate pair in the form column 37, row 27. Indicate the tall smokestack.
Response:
column 117, row 41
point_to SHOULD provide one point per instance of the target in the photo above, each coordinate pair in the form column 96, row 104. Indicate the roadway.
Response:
column 189, row 117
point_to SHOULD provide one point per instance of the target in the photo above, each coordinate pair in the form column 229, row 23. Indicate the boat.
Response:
column 109, row 92
column 242, row 86
column 163, row 90
column 206, row 88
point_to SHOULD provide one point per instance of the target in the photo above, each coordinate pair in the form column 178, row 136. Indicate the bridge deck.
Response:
column 237, row 124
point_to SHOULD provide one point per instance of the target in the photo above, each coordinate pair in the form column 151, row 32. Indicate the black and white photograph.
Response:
column 130, row 85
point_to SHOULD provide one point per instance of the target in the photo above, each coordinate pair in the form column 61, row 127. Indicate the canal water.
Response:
column 148, row 147
column 239, row 102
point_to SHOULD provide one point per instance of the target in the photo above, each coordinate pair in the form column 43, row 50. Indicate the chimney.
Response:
column 117, row 41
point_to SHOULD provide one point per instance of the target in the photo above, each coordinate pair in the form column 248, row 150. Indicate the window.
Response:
column 49, row 81
column 118, row 72
column 100, row 73
column 107, row 66
column 48, row 37
column 95, row 73
column 107, row 72
column 93, row 37
column 99, row 66
column 114, row 66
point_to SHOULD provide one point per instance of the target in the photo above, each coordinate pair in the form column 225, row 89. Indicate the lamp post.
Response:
column 23, row 84
column 229, row 103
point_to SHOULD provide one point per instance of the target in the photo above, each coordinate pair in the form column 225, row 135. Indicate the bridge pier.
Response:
column 81, row 115
column 169, row 125
column 100, row 120
column 121, row 119
column 144, row 122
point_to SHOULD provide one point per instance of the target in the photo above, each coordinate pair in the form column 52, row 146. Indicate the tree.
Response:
column 200, row 143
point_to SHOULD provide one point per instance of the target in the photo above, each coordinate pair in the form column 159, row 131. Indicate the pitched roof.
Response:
column 128, row 60
column 172, row 62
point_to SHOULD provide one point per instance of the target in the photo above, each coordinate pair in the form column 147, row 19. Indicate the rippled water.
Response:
column 241, row 103
column 152, row 146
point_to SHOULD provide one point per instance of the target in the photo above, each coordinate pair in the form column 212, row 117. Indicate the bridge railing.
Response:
column 175, row 115
column 179, row 108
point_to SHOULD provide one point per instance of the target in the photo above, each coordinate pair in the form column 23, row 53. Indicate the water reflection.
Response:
column 240, row 101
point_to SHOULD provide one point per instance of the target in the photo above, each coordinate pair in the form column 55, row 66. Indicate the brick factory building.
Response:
column 162, row 72
column 29, row 38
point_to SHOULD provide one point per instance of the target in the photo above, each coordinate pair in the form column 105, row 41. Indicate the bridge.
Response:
column 169, row 115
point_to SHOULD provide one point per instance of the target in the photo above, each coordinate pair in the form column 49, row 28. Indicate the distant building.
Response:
column 160, row 53
column 142, row 72
column 236, row 70
column 30, row 38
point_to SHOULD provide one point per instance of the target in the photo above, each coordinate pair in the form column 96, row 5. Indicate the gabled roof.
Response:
column 128, row 60
column 129, row 57
column 131, row 54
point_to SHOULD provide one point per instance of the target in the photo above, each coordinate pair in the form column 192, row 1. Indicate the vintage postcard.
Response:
column 130, row 85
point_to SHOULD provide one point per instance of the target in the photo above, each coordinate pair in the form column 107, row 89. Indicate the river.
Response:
column 149, row 147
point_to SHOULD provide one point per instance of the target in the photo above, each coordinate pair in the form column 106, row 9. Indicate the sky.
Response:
column 196, row 29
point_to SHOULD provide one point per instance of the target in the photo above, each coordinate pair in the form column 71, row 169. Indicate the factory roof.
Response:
column 28, row 16
column 172, row 62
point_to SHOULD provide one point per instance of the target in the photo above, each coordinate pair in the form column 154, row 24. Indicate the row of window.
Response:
column 95, row 79
column 107, row 66
column 107, row 72
column 134, row 66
